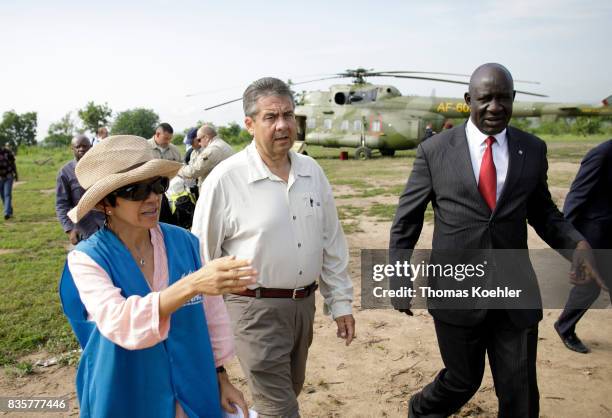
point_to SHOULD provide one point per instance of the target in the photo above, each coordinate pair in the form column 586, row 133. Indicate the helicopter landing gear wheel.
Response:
column 363, row 153
column 387, row 152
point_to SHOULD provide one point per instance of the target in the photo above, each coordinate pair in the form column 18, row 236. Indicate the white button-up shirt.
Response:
column 477, row 146
column 290, row 230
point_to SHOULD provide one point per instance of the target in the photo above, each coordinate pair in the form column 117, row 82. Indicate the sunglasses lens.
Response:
column 141, row 191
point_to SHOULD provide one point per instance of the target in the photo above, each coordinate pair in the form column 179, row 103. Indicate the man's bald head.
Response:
column 490, row 97
column 80, row 145
column 205, row 134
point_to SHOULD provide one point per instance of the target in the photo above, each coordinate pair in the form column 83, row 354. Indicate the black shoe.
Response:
column 572, row 342
column 6, row 217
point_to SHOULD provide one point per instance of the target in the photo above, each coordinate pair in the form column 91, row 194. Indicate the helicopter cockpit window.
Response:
column 327, row 124
column 357, row 125
column 362, row 96
column 344, row 125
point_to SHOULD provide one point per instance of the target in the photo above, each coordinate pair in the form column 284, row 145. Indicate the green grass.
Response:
column 30, row 311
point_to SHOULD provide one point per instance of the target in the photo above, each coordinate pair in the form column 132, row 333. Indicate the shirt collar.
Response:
column 258, row 170
column 477, row 138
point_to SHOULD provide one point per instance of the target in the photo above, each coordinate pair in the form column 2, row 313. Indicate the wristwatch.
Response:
column 221, row 369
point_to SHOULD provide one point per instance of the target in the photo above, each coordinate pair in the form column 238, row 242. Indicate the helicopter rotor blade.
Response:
column 318, row 79
column 384, row 73
column 223, row 104
column 458, row 82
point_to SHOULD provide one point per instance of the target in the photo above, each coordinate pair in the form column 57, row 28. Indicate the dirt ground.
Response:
column 394, row 356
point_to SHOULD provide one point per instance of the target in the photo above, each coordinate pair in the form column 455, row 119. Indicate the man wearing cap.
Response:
column 276, row 207
column 162, row 145
column 214, row 150
column 68, row 192
column 190, row 143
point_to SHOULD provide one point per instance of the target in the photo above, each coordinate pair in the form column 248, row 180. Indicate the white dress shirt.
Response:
column 290, row 230
column 477, row 146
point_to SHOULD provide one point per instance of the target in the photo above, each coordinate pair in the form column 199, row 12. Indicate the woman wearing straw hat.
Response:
column 153, row 346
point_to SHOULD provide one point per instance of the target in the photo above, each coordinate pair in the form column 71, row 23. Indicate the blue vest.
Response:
column 115, row 382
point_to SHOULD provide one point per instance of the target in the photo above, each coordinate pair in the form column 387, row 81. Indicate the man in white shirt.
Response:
column 213, row 151
column 276, row 207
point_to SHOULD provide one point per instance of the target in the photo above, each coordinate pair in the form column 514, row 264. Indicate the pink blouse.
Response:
column 134, row 323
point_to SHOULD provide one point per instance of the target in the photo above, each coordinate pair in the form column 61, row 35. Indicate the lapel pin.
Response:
column 520, row 152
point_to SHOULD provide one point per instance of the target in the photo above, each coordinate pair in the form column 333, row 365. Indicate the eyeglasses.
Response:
column 140, row 191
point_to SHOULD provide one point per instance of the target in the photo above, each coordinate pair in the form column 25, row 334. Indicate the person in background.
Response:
column 213, row 151
column 588, row 206
column 191, row 143
column 8, row 175
column 68, row 192
column 164, row 149
column 188, row 141
column 102, row 133
column 429, row 132
column 162, row 145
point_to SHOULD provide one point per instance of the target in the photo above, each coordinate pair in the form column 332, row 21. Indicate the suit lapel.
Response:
column 462, row 163
column 516, row 157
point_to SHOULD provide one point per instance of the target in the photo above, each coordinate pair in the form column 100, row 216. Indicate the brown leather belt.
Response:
column 268, row 292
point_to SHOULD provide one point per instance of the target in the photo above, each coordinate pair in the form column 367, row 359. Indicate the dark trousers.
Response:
column 512, row 355
column 582, row 297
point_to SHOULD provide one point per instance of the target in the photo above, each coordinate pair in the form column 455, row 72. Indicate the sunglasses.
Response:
column 140, row 191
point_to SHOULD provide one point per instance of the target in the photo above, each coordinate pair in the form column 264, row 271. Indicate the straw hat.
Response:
column 113, row 163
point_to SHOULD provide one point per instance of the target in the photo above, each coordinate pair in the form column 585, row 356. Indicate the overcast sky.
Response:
column 57, row 56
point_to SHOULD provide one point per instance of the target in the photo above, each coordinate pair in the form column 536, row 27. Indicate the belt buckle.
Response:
column 294, row 296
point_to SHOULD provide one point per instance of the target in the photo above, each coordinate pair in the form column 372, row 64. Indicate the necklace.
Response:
column 141, row 260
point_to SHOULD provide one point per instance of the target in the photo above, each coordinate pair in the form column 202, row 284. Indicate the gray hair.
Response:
column 267, row 86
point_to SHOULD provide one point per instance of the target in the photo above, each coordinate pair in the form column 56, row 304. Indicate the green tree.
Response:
column 61, row 132
column 18, row 129
column 234, row 133
column 139, row 121
column 177, row 139
column 95, row 116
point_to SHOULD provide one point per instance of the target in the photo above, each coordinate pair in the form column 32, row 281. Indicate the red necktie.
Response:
column 487, row 181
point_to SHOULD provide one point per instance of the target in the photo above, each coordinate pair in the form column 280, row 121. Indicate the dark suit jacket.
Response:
column 442, row 173
column 588, row 204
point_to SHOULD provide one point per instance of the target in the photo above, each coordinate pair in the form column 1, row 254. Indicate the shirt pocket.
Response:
column 311, row 225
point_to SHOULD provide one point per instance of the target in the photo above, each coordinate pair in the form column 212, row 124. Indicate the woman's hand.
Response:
column 223, row 275
column 220, row 276
column 231, row 396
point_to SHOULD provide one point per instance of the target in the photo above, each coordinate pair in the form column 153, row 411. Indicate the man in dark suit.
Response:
column 485, row 181
column 588, row 206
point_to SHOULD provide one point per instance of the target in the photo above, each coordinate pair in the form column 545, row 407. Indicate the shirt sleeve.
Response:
column 209, row 219
column 336, row 285
column 63, row 202
column 204, row 162
column 131, row 323
column 219, row 329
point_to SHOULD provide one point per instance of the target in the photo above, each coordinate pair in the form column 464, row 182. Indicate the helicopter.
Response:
column 371, row 117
